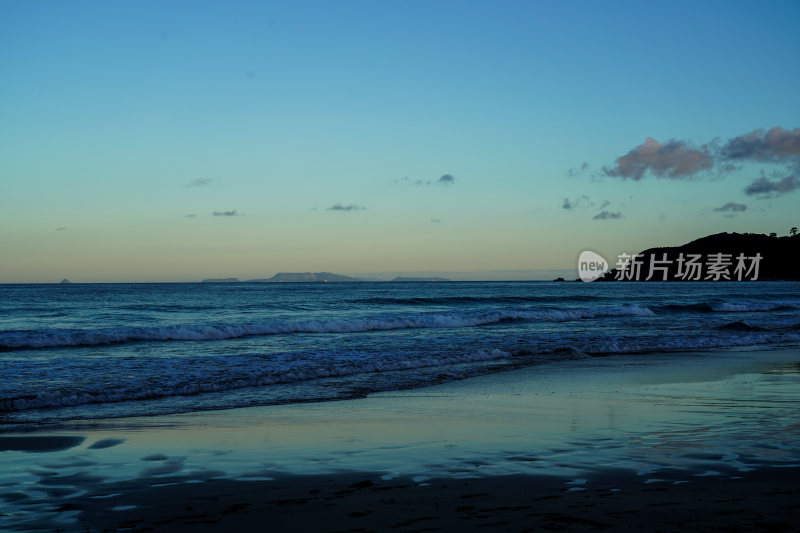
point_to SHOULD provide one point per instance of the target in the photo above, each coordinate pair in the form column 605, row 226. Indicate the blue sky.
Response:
column 125, row 126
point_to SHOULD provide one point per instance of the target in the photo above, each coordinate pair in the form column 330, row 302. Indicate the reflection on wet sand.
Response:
column 680, row 420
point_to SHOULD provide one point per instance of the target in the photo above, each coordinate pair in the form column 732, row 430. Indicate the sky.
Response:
column 177, row 141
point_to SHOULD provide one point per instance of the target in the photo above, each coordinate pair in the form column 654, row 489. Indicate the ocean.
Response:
column 82, row 352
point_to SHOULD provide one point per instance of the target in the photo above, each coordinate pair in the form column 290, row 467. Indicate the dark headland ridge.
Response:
column 779, row 256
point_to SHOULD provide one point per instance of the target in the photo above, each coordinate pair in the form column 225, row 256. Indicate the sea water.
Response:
column 90, row 351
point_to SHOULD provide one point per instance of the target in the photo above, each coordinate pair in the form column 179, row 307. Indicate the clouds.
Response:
column 578, row 171
column 678, row 159
column 352, row 207
column 231, row 213
column 766, row 188
column 681, row 160
column 775, row 145
column 446, row 180
column 585, row 203
column 408, row 181
column 607, row 215
column 675, row 159
column 733, row 207
column 199, row 182
column 582, row 202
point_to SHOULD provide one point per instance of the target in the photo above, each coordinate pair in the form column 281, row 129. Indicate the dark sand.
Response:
column 36, row 444
column 764, row 500
column 674, row 442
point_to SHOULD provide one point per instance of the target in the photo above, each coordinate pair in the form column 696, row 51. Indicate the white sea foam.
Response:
column 749, row 307
column 182, row 332
column 236, row 373
column 320, row 342
column 689, row 343
column 142, row 379
column 731, row 307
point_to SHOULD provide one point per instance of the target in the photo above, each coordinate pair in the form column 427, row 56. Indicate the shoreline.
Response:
column 734, row 359
column 669, row 430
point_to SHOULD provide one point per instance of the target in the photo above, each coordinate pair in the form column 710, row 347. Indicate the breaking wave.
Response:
column 728, row 307
column 138, row 379
column 226, row 373
column 460, row 300
column 52, row 338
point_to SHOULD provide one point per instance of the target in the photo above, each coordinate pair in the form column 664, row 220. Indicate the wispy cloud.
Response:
column 199, row 182
column 352, row 207
column 675, row 160
column 607, row 215
column 581, row 202
column 190, row 215
column 436, row 220
column 763, row 187
column 447, row 179
column 578, row 171
column 61, row 228
column 732, row 206
column 405, row 180
column 232, row 213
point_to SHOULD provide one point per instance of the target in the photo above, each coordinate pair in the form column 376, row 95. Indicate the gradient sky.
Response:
column 176, row 141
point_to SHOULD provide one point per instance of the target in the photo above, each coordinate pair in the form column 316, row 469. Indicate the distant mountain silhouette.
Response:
column 221, row 280
column 304, row 277
column 722, row 257
column 429, row 278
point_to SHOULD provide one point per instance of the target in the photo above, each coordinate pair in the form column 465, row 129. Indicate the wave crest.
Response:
column 53, row 338
column 729, row 307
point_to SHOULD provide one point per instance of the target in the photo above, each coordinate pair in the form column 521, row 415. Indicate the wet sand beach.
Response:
column 762, row 500
column 669, row 442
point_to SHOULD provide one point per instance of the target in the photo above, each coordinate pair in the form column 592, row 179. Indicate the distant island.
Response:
column 65, row 281
column 719, row 257
column 304, row 277
column 315, row 277
column 403, row 278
